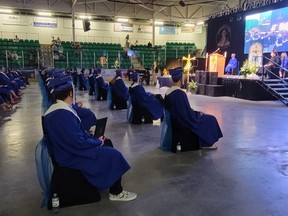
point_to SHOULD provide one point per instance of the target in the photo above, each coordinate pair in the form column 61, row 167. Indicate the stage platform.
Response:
column 233, row 86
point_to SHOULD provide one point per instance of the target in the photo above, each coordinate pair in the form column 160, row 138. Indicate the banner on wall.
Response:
column 45, row 22
column 123, row 27
column 144, row 29
column 15, row 20
column 191, row 29
column 167, row 30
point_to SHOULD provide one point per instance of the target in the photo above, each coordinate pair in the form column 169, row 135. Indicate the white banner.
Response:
column 15, row 20
column 123, row 27
column 45, row 22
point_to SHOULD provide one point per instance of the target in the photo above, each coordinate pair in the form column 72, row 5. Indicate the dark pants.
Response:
column 116, row 188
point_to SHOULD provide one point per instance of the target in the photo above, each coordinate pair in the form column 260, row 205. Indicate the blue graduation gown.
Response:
column 88, row 119
column 119, row 89
column 231, row 65
column 5, row 80
column 147, row 100
column 73, row 147
column 204, row 126
column 100, row 81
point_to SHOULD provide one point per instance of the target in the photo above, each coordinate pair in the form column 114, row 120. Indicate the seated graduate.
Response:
column 232, row 64
column 203, row 125
column 6, row 81
column 91, row 79
column 145, row 99
column 102, row 86
column 4, row 106
column 284, row 65
column 119, row 89
column 72, row 147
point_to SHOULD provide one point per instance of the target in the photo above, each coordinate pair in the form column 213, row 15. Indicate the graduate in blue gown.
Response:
column 203, row 125
column 145, row 99
column 91, row 79
column 72, row 147
column 232, row 64
column 119, row 88
column 101, row 85
column 6, row 81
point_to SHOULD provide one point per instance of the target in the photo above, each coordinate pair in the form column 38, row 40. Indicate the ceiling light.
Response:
column 84, row 17
column 200, row 23
column 158, row 23
column 189, row 24
column 44, row 14
column 182, row 3
column 2, row 10
column 122, row 20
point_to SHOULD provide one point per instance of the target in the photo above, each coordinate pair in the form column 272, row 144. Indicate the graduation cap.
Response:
column 176, row 74
column 118, row 72
column 97, row 71
column 60, row 83
column 134, row 76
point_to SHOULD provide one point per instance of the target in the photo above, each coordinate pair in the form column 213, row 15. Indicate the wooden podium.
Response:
column 217, row 63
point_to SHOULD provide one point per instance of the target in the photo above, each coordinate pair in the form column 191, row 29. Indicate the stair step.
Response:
column 277, row 84
column 283, row 94
column 281, row 89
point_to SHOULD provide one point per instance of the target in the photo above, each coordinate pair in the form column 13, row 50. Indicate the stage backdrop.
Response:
column 228, row 32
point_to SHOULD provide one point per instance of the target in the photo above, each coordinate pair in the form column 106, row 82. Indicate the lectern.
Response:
column 217, row 63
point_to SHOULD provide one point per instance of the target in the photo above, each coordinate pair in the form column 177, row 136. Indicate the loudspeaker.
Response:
column 213, row 78
column 214, row 90
column 201, row 89
column 198, row 76
column 205, row 78
column 86, row 25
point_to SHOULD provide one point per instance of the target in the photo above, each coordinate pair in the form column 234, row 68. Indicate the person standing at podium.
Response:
column 232, row 64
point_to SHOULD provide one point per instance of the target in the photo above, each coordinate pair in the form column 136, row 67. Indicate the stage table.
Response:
column 165, row 81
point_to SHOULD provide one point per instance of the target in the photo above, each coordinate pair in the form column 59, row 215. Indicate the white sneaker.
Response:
column 123, row 196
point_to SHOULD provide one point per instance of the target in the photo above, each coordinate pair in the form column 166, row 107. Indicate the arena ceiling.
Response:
column 165, row 10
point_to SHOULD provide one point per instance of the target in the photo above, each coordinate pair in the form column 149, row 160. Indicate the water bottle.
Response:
column 55, row 204
column 178, row 147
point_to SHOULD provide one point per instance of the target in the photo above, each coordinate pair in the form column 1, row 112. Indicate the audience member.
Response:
column 72, row 147
column 203, row 125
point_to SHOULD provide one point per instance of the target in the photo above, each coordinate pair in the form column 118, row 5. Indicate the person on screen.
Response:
column 232, row 64
column 224, row 39
column 284, row 65
column 270, row 66
column 72, row 147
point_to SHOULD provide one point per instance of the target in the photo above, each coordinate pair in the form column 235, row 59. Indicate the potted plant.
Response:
column 192, row 86
column 248, row 68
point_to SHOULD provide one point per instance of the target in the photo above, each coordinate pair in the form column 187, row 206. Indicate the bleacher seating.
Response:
column 178, row 50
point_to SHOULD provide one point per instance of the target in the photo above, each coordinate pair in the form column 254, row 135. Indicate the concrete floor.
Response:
column 247, row 175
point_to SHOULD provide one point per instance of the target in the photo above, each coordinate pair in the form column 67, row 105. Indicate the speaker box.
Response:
column 214, row 90
column 201, row 89
column 213, row 78
column 198, row 76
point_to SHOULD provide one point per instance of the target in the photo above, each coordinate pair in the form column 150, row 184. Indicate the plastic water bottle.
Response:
column 178, row 147
column 55, row 204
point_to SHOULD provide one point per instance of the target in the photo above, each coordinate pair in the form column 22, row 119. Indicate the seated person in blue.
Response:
column 72, row 147
column 284, row 65
column 91, row 79
column 203, row 125
column 119, row 91
column 146, row 99
column 6, row 81
column 102, row 86
column 4, row 106
column 232, row 64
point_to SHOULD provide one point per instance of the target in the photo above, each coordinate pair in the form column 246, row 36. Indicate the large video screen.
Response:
column 269, row 28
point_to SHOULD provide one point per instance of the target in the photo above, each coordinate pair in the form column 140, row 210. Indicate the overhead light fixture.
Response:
column 189, row 24
column 122, row 20
column 200, row 23
column 158, row 23
column 44, row 14
column 84, row 17
column 2, row 10
column 182, row 3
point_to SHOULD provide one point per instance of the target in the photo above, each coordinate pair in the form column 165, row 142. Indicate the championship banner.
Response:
column 45, row 22
column 191, row 29
column 167, row 30
column 15, row 20
column 123, row 27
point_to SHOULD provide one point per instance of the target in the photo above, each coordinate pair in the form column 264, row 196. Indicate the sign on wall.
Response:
column 191, row 29
column 167, row 30
column 15, row 20
column 123, row 27
column 45, row 22
column 144, row 29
